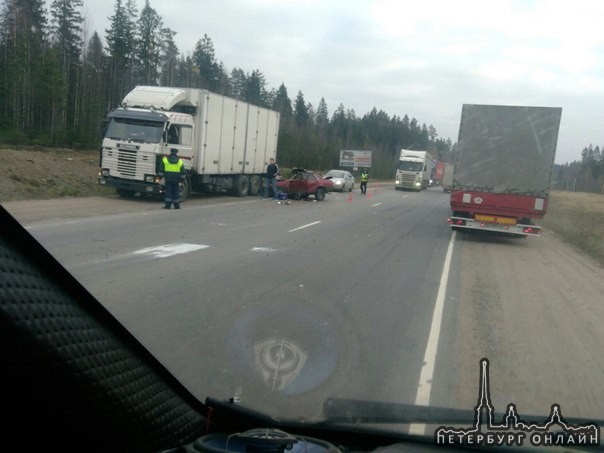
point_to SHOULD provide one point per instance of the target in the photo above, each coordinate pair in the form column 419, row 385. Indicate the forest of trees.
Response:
column 59, row 80
column 586, row 175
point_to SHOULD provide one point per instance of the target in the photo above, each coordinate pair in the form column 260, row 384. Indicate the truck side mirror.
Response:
column 104, row 126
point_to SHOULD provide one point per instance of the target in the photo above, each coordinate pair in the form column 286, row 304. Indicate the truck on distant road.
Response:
column 413, row 170
column 505, row 157
column 447, row 177
column 225, row 144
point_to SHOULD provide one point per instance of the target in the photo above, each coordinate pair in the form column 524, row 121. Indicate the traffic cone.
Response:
column 350, row 196
column 369, row 193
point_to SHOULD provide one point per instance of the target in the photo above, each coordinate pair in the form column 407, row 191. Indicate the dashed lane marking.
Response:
column 304, row 226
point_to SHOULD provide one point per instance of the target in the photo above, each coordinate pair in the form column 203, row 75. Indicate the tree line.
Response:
column 585, row 175
column 58, row 80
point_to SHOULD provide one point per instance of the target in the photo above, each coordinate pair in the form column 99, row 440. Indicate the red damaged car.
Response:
column 304, row 183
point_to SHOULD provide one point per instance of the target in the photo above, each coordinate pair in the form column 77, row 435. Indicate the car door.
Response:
column 349, row 184
column 312, row 182
column 297, row 183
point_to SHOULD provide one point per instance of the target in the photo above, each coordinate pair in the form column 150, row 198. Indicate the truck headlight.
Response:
column 104, row 172
column 150, row 178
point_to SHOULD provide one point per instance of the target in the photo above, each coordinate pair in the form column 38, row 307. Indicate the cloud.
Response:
column 424, row 59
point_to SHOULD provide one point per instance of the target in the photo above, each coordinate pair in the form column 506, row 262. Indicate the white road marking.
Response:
column 424, row 388
column 304, row 226
column 166, row 250
column 376, row 204
column 52, row 224
column 263, row 249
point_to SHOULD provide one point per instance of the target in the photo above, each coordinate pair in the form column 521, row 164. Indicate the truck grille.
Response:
column 126, row 162
column 129, row 164
column 408, row 180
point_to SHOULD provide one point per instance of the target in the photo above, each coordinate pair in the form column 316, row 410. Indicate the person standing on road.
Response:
column 272, row 170
column 173, row 171
column 364, row 179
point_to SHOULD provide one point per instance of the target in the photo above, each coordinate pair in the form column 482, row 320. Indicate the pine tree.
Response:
column 282, row 103
column 255, row 89
column 121, row 40
column 238, row 83
column 148, row 48
column 301, row 115
column 23, row 48
column 205, row 59
column 66, row 29
column 93, row 104
column 168, row 58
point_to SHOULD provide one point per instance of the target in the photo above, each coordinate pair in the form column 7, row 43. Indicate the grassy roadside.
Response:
column 578, row 219
column 45, row 173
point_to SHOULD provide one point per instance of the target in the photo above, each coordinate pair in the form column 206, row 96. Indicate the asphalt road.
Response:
column 286, row 305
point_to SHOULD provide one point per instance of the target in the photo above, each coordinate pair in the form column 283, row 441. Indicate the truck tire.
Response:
column 320, row 194
column 184, row 189
column 242, row 186
column 255, row 184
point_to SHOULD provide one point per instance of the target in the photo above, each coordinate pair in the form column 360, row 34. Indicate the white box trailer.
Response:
column 224, row 143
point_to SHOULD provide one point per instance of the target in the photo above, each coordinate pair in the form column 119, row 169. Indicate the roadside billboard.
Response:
column 351, row 158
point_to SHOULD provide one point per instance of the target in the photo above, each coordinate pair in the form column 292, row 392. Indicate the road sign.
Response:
column 351, row 158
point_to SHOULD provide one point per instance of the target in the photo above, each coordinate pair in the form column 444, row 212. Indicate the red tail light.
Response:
column 531, row 230
column 456, row 222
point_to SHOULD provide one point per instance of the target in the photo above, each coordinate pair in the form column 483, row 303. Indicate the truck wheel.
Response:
column 184, row 189
column 242, row 186
column 320, row 194
column 255, row 184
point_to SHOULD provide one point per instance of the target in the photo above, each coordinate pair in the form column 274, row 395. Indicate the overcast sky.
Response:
column 423, row 58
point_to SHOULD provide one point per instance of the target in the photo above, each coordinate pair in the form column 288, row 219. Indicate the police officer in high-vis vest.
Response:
column 364, row 179
column 173, row 171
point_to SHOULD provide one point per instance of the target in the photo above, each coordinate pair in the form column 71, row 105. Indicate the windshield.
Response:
column 134, row 130
column 389, row 288
column 410, row 166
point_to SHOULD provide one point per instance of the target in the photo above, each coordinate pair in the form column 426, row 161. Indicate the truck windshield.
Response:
column 135, row 130
column 410, row 166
